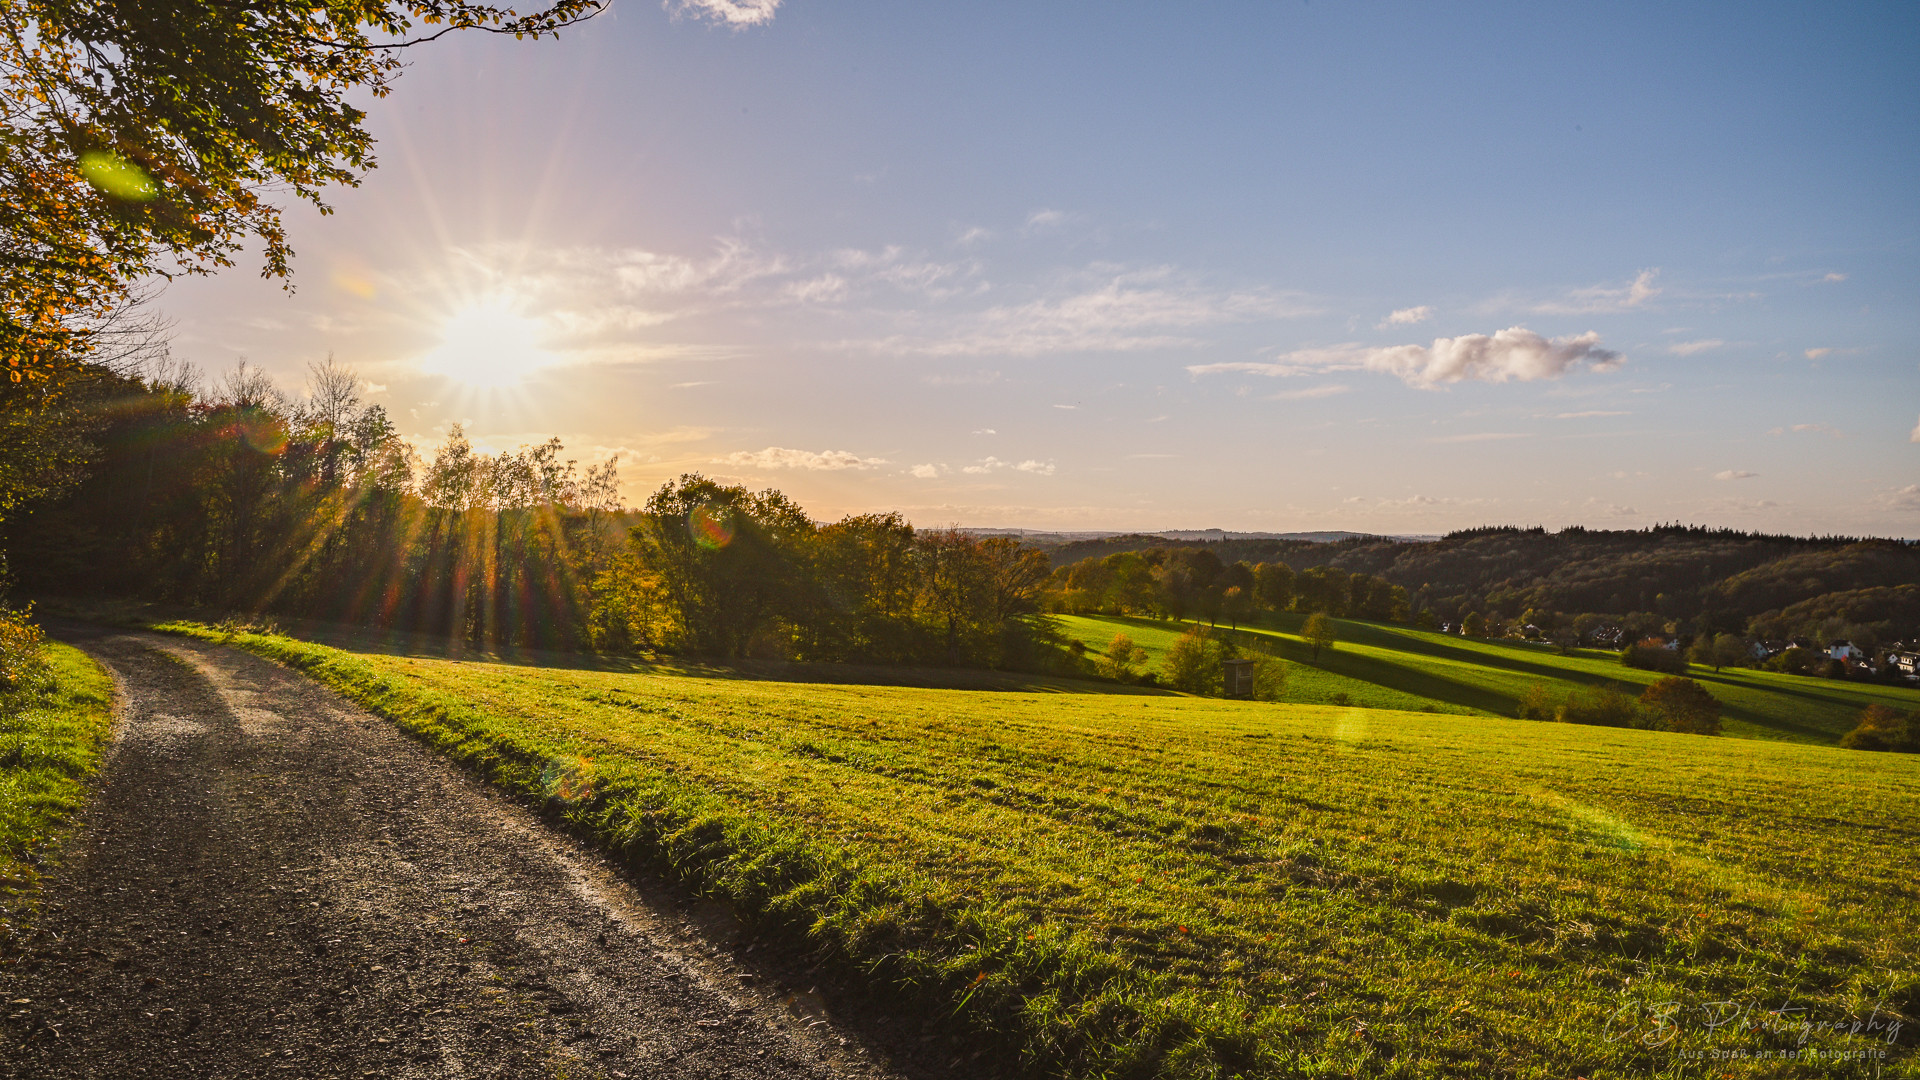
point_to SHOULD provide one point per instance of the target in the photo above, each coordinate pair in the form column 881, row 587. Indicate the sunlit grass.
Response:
column 1182, row 887
column 50, row 741
column 1397, row 667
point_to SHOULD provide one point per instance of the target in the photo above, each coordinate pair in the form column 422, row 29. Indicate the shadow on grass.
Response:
column 436, row 647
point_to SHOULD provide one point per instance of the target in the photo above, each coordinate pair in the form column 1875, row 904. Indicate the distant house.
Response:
column 1905, row 662
column 1766, row 650
column 1845, row 652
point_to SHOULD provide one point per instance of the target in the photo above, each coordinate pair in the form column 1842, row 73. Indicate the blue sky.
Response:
column 1394, row 267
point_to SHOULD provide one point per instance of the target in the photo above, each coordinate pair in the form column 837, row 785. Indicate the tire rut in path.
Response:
column 271, row 882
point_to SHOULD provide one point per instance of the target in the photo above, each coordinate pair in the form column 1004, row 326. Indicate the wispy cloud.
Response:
column 994, row 464
column 1809, row 429
column 779, row 457
column 1915, row 437
column 1815, row 354
column 1734, row 474
column 1514, row 353
column 738, row 14
column 1409, row 315
column 1310, row 393
column 1045, row 219
column 1482, row 436
column 1689, row 348
column 1106, row 309
column 1835, row 277
column 1605, row 299
column 924, row 472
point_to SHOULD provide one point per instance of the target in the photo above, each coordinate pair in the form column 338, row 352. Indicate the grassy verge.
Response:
column 1182, row 887
column 51, row 736
column 1395, row 667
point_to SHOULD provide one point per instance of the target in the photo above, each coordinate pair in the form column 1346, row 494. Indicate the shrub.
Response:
column 1122, row 660
column 1653, row 655
column 1269, row 678
column 21, row 665
column 1682, row 705
column 1600, row 705
column 1882, row 727
column 1538, row 704
column 1193, row 663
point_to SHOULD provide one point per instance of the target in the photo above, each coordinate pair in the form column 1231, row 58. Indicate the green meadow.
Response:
column 51, row 735
column 1381, row 665
column 1162, row 886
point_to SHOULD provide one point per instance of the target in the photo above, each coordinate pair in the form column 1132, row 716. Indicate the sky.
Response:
column 1273, row 266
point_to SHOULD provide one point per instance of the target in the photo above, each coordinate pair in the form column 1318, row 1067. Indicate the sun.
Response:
column 489, row 344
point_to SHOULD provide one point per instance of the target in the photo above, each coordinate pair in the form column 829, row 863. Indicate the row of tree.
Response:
column 1193, row 583
column 238, row 497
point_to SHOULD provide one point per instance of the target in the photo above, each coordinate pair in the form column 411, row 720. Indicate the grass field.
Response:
column 50, row 742
column 1114, row 886
column 1395, row 667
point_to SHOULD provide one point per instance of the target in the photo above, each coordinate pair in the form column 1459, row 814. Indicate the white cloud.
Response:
column 738, row 14
column 1066, row 406
column 1044, row 219
column 1408, row 315
column 1688, row 348
column 1513, row 353
column 1039, row 468
column 924, row 472
column 985, row 466
column 1834, row 277
column 972, row 236
column 1815, row 354
column 779, row 457
column 1734, row 474
column 1605, row 299
column 1915, row 437
column 1906, row 498
column 985, row 431
column 1309, row 394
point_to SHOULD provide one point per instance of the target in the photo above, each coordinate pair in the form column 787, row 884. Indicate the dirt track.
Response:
column 273, row 883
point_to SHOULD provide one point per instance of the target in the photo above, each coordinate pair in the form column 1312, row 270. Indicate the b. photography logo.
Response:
column 1661, row 1023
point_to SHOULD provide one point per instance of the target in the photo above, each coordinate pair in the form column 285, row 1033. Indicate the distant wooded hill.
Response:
column 1716, row 580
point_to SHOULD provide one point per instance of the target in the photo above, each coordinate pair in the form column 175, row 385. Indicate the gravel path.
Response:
column 271, row 882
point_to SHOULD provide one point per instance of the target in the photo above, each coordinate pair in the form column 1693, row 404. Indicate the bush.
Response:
column 1122, row 660
column 1650, row 655
column 1603, row 706
column 1269, row 678
column 1193, row 663
column 1538, row 704
column 1882, row 727
column 1677, row 704
column 22, row 667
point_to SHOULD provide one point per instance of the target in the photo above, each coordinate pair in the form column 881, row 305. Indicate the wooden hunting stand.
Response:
column 1238, row 678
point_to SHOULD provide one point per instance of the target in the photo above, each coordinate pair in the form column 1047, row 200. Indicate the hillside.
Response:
column 1714, row 580
column 1179, row 887
column 1380, row 665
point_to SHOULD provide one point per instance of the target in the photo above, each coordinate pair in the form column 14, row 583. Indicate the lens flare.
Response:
column 711, row 526
column 117, row 177
column 263, row 433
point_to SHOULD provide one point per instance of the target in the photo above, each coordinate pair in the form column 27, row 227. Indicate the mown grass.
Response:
column 1396, row 667
column 51, row 735
column 1183, row 887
